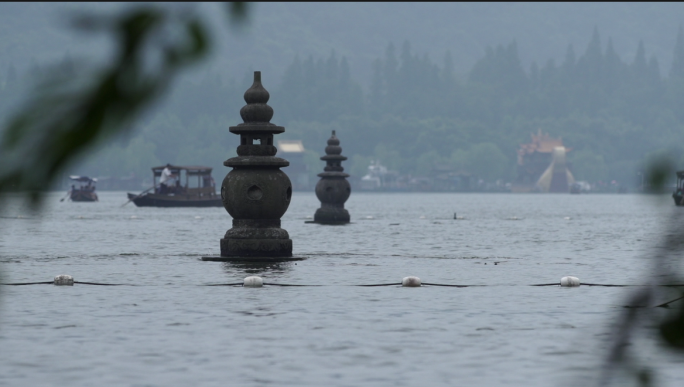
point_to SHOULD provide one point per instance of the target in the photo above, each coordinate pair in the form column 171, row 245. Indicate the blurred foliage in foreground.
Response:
column 643, row 312
column 69, row 113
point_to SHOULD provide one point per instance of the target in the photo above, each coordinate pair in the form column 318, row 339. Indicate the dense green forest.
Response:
column 415, row 112
column 612, row 112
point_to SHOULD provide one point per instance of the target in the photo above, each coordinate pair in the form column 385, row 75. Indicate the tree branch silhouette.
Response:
column 65, row 116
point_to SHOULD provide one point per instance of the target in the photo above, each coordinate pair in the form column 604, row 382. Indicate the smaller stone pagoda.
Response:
column 333, row 189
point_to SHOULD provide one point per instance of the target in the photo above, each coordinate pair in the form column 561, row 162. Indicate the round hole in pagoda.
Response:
column 254, row 193
column 329, row 189
column 288, row 194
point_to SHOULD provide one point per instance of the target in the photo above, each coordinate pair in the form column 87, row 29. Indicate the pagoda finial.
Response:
column 256, row 97
column 333, row 147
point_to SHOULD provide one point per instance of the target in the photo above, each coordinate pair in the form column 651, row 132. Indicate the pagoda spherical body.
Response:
column 256, row 193
column 333, row 190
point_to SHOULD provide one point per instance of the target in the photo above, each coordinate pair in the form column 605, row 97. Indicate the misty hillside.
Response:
column 414, row 85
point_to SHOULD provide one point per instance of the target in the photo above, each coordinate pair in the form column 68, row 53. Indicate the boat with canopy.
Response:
column 82, row 189
column 199, row 189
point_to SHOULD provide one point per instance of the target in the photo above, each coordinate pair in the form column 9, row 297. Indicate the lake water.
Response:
column 169, row 330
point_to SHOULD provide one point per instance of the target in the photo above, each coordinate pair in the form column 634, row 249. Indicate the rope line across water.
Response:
column 406, row 282
column 365, row 285
column 586, row 284
column 75, row 282
column 410, row 281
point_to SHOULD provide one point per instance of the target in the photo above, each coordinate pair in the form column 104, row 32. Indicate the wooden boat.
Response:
column 199, row 189
column 85, row 192
column 678, row 194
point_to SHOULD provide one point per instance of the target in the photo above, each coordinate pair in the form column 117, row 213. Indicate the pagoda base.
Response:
column 329, row 223
column 252, row 259
column 276, row 248
column 334, row 215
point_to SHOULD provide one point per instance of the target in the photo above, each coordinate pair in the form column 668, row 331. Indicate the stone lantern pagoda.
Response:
column 333, row 189
column 256, row 193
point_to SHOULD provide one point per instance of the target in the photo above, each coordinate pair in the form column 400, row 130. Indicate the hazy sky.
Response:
column 361, row 31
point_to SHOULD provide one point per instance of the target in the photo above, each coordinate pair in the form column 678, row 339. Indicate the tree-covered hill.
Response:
column 413, row 85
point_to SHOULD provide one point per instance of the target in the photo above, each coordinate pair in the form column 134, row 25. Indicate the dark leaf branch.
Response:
column 667, row 255
column 237, row 11
column 61, row 121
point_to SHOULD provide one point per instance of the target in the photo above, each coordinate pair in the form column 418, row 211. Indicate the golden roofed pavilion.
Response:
column 534, row 158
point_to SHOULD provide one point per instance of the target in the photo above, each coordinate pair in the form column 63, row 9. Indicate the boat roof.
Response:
column 190, row 169
column 680, row 174
column 83, row 179
column 291, row 146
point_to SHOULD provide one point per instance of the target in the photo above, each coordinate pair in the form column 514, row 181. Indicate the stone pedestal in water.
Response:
column 256, row 193
column 333, row 189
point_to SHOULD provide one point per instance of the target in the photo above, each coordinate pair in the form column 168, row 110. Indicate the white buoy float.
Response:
column 410, row 282
column 253, row 282
column 64, row 280
column 369, row 217
column 570, row 282
column 198, row 217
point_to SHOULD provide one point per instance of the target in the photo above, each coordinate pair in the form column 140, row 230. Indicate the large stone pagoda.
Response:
column 256, row 193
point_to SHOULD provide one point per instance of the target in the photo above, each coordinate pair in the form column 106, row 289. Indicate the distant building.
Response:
column 557, row 177
column 446, row 178
column 298, row 172
column 534, row 159
column 379, row 178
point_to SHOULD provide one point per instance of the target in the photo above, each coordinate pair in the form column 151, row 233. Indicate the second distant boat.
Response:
column 85, row 192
